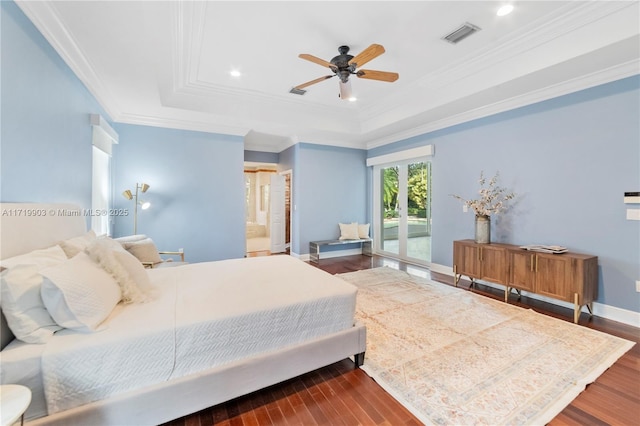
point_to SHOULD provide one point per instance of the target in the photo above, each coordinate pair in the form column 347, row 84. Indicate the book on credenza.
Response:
column 545, row 248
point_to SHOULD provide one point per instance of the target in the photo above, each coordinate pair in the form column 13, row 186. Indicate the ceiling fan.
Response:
column 344, row 65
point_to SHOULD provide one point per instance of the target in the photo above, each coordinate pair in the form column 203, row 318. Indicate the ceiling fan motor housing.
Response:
column 341, row 62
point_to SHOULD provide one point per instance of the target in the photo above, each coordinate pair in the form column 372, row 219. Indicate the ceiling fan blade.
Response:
column 317, row 80
column 316, row 60
column 378, row 75
column 367, row 54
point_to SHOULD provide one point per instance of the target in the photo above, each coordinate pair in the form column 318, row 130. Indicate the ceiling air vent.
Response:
column 461, row 33
column 297, row 91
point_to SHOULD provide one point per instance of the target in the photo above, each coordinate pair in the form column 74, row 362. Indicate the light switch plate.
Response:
column 633, row 214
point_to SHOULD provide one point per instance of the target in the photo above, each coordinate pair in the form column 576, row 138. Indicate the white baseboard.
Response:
column 303, row 257
column 599, row 309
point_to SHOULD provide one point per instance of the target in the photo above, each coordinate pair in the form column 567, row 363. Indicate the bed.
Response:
column 213, row 331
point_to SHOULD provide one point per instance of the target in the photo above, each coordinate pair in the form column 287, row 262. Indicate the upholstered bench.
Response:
column 314, row 247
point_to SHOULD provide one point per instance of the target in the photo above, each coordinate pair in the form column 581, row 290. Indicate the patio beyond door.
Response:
column 403, row 218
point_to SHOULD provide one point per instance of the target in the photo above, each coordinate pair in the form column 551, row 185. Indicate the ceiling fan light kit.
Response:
column 344, row 65
column 345, row 92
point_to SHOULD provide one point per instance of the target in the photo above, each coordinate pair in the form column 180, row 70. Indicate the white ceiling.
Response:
column 167, row 63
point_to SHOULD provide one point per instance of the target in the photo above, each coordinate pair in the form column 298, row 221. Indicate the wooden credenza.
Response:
column 571, row 277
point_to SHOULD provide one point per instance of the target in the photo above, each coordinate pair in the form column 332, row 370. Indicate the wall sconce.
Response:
column 140, row 187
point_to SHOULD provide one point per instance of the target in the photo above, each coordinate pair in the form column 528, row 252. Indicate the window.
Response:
column 103, row 138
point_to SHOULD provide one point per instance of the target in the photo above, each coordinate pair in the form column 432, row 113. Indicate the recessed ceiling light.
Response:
column 353, row 99
column 505, row 10
column 235, row 73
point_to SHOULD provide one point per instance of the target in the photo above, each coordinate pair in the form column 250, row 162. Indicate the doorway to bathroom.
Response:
column 268, row 209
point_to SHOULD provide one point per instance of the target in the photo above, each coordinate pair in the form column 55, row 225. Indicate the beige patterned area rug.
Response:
column 453, row 357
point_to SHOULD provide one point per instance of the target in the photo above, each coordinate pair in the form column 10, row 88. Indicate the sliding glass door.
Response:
column 390, row 209
column 403, row 192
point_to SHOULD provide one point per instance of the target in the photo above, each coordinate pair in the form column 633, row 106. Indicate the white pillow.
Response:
column 41, row 258
column 145, row 250
column 363, row 230
column 73, row 246
column 22, row 304
column 124, row 267
column 348, row 231
column 131, row 238
column 78, row 293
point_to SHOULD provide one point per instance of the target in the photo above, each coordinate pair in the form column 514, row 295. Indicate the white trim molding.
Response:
column 407, row 154
column 103, row 134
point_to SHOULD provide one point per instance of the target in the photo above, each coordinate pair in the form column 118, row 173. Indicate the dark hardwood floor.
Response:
column 341, row 395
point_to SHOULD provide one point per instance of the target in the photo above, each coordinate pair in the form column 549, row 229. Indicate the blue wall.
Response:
column 261, row 157
column 288, row 160
column 330, row 186
column 570, row 159
column 196, row 189
column 45, row 132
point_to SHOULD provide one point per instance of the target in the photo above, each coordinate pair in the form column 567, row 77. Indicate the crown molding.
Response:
column 45, row 18
column 361, row 142
column 608, row 75
column 504, row 60
column 182, row 124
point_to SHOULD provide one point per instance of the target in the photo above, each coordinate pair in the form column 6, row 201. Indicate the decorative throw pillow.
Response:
column 125, row 268
column 145, row 250
column 41, row 258
column 363, row 230
column 131, row 238
column 73, row 246
column 22, row 304
column 78, row 293
column 348, row 231
column 138, row 275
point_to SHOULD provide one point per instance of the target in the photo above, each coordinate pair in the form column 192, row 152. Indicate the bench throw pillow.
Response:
column 363, row 230
column 348, row 231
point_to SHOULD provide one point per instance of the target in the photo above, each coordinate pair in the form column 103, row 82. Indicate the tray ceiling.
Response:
column 167, row 63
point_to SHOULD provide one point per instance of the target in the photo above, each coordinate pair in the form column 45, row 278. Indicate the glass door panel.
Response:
column 390, row 209
column 418, row 212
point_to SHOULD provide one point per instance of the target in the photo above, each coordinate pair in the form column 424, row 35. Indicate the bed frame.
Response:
column 28, row 226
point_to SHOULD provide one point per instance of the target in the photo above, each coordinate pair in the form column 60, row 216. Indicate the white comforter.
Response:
column 206, row 315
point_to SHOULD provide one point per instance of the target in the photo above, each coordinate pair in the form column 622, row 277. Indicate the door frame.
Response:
column 414, row 155
column 290, row 218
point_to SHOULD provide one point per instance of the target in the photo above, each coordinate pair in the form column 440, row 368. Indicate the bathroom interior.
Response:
column 257, row 178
